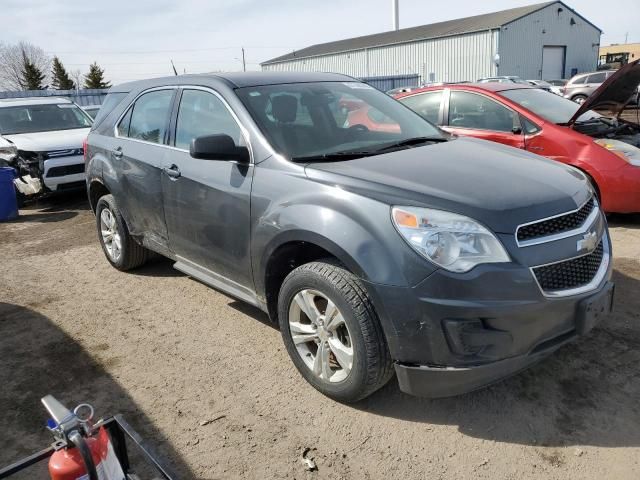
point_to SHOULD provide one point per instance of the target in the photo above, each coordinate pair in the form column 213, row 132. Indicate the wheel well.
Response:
column 283, row 261
column 96, row 190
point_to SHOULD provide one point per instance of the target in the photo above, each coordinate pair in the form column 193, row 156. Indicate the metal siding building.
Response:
column 463, row 49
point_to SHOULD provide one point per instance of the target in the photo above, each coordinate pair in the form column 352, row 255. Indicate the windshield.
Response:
column 549, row 106
column 327, row 118
column 42, row 118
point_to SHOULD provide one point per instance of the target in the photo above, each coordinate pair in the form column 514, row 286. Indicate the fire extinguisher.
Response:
column 82, row 449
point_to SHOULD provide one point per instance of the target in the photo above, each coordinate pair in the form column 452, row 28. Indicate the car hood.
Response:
column 614, row 93
column 499, row 186
column 47, row 141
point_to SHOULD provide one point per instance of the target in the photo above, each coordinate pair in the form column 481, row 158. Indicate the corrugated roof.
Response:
column 476, row 23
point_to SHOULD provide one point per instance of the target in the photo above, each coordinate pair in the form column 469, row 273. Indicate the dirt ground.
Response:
column 207, row 381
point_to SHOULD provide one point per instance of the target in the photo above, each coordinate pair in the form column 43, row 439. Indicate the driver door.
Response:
column 206, row 202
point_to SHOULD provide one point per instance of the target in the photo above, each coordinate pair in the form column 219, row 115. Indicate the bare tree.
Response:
column 76, row 76
column 12, row 61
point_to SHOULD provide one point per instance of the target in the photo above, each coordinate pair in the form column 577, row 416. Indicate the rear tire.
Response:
column 345, row 323
column 120, row 248
column 579, row 98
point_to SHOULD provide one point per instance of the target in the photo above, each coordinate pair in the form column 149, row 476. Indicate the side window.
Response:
column 468, row 110
column 579, row 81
column 123, row 126
column 150, row 116
column 597, row 78
column 427, row 105
column 528, row 126
column 203, row 113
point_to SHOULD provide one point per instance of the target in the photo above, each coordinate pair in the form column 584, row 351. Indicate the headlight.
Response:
column 8, row 152
column 454, row 242
column 627, row 152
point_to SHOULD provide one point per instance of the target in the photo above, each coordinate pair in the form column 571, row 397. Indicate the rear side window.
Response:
column 203, row 113
column 578, row 81
column 597, row 78
column 110, row 102
column 468, row 110
column 427, row 105
column 149, row 117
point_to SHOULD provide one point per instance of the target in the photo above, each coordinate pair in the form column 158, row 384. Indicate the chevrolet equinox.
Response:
column 453, row 262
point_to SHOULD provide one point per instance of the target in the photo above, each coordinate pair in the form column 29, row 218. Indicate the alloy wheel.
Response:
column 110, row 235
column 321, row 336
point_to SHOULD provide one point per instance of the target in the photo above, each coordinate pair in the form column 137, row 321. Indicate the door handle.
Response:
column 173, row 171
column 117, row 153
column 537, row 149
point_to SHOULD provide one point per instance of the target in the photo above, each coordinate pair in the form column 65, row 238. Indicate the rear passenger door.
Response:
column 140, row 153
column 206, row 202
column 476, row 115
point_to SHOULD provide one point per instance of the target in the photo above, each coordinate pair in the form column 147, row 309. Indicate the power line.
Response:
column 145, row 52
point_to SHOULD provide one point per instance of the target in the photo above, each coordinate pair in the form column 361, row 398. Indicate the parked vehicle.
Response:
column 47, row 135
column 394, row 91
column 503, row 79
column 579, row 87
column 92, row 110
column 604, row 147
column 544, row 86
column 454, row 261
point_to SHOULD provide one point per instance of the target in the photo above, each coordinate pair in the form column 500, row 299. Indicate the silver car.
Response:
column 579, row 87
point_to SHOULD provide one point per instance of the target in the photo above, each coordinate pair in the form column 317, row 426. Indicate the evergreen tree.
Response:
column 95, row 78
column 61, row 80
column 32, row 76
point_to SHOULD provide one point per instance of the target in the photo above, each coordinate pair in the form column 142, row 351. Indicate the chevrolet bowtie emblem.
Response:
column 589, row 242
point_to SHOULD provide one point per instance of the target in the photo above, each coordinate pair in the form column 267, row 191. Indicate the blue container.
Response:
column 8, row 202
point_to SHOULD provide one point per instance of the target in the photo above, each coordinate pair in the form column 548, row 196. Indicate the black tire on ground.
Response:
column 372, row 365
column 579, row 98
column 132, row 254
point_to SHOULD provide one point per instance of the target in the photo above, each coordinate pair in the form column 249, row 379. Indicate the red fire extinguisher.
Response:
column 86, row 452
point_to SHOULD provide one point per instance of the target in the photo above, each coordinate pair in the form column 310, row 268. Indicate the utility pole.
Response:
column 626, row 38
column 244, row 65
column 395, row 14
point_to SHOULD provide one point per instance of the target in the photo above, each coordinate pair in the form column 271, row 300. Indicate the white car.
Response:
column 47, row 135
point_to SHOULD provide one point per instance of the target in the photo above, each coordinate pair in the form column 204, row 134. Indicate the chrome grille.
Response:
column 570, row 274
column 556, row 225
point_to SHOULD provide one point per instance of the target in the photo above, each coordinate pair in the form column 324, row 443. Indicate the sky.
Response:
column 134, row 39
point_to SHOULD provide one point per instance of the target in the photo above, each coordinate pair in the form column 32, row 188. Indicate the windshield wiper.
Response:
column 332, row 157
column 407, row 142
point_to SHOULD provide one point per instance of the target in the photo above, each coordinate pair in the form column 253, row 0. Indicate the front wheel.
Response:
column 120, row 248
column 332, row 333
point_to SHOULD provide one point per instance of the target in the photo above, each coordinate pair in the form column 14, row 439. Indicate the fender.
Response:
column 372, row 250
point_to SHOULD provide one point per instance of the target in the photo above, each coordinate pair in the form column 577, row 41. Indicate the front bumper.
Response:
column 454, row 333
column 621, row 190
column 64, row 172
column 440, row 381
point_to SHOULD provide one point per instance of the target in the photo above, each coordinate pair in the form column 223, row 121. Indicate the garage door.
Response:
column 553, row 62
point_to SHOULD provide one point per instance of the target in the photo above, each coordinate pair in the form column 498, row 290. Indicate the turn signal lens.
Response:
column 405, row 219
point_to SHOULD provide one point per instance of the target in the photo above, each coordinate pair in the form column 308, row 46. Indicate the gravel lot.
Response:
column 206, row 379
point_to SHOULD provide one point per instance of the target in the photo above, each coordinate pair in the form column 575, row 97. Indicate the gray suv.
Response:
column 452, row 261
column 579, row 87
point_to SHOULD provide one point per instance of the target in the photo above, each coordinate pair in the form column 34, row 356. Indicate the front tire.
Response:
column 332, row 333
column 121, row 250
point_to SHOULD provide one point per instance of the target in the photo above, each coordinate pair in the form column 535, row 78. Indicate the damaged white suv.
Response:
column 46, row 136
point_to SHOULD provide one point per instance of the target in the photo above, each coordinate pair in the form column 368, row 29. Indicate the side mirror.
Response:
column 516, row 130
column 218, row 147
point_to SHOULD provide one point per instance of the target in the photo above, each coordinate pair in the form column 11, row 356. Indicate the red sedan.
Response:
column 604, row 147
